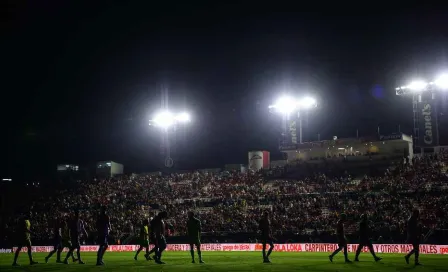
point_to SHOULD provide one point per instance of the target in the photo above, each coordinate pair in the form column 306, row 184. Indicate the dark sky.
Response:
column 81, row 80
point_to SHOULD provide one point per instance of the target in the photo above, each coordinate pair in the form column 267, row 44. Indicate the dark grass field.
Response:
column 229, row 261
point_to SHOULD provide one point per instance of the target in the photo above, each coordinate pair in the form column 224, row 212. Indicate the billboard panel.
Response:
column 259, row 160
column 428, row 134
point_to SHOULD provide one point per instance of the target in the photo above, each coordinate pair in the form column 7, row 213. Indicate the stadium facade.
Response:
column 382, row 146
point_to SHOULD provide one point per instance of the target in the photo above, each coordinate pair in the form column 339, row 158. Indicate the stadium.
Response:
column 140, row 138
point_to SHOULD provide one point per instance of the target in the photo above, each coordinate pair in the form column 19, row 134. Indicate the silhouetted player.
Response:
column 59, row 228
column 76, row 228
column 364, row 238
column 342, row 241
column 158, row 232
column 24, row 239
column 144, row 239
column 414, row 237
column 103, row 227
column 194, row 236
column 266, row 238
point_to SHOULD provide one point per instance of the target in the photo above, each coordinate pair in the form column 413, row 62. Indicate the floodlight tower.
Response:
column 290, row 107
column 168, row 123
column 424, row 94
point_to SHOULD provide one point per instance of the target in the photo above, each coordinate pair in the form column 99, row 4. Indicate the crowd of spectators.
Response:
column 231, row 202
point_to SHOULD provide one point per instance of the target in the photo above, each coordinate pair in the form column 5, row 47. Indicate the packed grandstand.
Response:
column 304, row 199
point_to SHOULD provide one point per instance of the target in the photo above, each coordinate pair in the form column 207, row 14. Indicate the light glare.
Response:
column 164, row 119
column 285, row 104
column 183, row 117
column 417, row 85
column 308, row 102
column 442, row 82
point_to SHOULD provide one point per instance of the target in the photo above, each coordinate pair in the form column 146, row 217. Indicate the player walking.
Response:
column 24, row 239
column 414, row 237
column 342, row 240
column 364, row 238
column 103, row 227
column 60, row 241
column 194, row 236
column 144, row 240
column 266, row 238
column 158, row 232
column 76, row 228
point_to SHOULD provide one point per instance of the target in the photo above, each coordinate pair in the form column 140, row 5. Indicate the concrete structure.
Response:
column 395, row 145
column 108, row 169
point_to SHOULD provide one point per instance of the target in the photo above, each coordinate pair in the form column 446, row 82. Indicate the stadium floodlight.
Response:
column 308, row 102
column 183, row 117
column 285, row 105
column 417, row 85
column 166, row 119
column 442, row 82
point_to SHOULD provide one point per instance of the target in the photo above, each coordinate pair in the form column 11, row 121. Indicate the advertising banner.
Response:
column 292, row 129
column 427, row 122
column 311, row 247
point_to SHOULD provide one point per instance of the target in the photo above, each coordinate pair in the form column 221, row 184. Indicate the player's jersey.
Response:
column 76, row 226
column 194, row 227
column 103, row 225
column 57, row 231
column 413, row 228
column 65, row 231
column 340, row 230
column 265, row 227
column 157, row 227
column 144, row 232
column 27, row 229
column 364, row 230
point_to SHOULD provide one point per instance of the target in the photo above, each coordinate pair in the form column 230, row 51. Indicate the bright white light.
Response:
column 285, row 105
column 442, row 82
column 308, row 102
column 164, row 119
column 183, row 117
column 417, row 85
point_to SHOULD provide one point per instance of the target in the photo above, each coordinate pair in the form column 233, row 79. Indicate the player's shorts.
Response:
column 57, row 243
column 75, row 242
column 66, row 243
column 144, row 243
column 413, row 241
column 365, row 241
column 24, row 242
column 342, row 243
column 103, row 240
column 161, row 242
column 194, row 240
column 266, row 239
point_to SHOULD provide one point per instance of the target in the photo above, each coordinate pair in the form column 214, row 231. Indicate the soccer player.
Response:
column 342, row 240
column 158, row 232
column 414, row 237
column 24, row 239
column 103, row 227
column 364, row 239
column 194, row 236
column 76, row 227
column 266, row 238
column 60, row 240
column 144, row 240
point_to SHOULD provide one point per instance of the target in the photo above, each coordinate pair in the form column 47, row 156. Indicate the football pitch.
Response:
column 228, row 261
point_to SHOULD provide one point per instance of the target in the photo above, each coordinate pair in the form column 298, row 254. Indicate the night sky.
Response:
column 80, row 81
